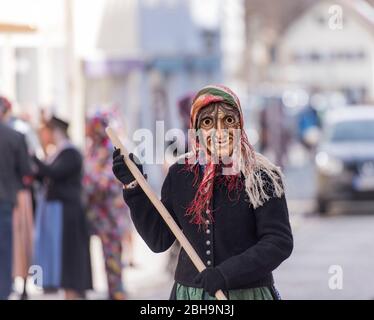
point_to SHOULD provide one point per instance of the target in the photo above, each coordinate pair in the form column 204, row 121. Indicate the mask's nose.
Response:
column 221, row 133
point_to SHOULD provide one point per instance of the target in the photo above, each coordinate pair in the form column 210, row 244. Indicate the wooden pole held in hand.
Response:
column 160, row 207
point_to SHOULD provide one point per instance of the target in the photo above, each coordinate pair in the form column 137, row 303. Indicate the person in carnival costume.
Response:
column 229, row 201
column 106, row 210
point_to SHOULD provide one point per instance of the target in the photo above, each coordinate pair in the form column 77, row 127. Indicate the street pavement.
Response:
column 147, row 280
column 345, row 241
column 342, row 243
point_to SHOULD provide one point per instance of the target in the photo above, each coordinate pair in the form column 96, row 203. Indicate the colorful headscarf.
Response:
column 260, row 174
column 95, row 126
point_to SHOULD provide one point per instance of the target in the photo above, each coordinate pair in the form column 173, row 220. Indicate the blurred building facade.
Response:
column 137, row 55
column 140, row 56
column 147, row 55
column 327, row 59
column 336, row 55
column 32, row 63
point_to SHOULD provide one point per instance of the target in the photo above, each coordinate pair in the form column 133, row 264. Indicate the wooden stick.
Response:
column 160, row 207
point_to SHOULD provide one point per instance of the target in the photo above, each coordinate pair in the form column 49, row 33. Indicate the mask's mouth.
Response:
column 219, row 145
column 220, row 142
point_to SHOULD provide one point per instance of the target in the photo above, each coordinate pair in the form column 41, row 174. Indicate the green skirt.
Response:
column 189, row 293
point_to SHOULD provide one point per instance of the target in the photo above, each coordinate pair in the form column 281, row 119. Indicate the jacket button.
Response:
column 207, row 211
column 208, row 243
column 207, row 221
column 208, row 252
column 208, row 262
column 207, row 231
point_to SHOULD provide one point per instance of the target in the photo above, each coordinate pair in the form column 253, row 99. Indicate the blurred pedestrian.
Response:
column 309, row 126
column 45, row 135
column 184, row 108
column 62, row 177
column 23, row 223
column 14, row 170
column 106, row 210
column 275, row 135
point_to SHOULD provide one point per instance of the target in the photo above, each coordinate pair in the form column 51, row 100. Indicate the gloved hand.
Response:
column 120, row 169
column 211, row 280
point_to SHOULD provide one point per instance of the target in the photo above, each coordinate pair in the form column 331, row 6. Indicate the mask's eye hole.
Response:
column 207, row 122
column 229, row 120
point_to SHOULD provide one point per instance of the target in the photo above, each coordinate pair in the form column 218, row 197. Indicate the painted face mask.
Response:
column 216, row 107
column 218, row 125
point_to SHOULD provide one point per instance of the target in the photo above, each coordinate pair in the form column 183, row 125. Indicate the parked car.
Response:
column 345, row 157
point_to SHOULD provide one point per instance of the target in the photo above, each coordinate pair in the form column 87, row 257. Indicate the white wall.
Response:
column 29, row 76
column 306, row 36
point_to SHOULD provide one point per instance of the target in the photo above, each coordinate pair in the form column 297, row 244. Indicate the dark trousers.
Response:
column 6, row 211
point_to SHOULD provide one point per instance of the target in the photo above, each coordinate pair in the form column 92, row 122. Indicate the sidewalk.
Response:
column 147, row 280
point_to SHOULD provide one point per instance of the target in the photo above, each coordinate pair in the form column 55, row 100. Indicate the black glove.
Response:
column 211, row 280
column 120, row 169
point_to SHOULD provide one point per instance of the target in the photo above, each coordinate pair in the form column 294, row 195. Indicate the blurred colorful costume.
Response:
column 108, row 216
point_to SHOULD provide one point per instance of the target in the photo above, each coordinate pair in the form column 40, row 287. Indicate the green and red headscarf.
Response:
column 257, row 170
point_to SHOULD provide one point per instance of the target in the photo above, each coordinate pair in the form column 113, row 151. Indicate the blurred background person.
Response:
column 274, row 132
column 108, row 216
column 309, row 126
column 45, row 135
column 23, row 211
column 14, row 168
column 184, row 109
column 62, row 177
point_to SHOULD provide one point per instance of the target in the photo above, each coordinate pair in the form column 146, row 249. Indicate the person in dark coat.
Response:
column 63, row 178
column 14, row 169
column 229, row 201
